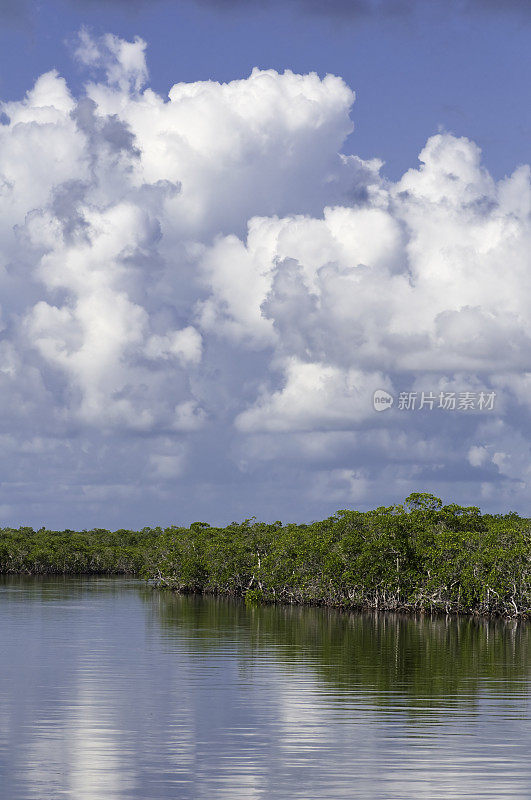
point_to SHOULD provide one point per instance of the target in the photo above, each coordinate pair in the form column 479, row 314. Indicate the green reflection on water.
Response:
column 420, row 658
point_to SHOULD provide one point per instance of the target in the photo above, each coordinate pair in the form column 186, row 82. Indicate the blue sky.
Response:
column 468, row 73
column 189, row 267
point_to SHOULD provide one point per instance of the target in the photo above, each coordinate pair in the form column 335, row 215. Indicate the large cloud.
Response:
column 200, row 295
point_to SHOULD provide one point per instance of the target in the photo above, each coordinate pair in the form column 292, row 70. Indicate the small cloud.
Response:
column 167, row 467
column 124, row 62
column 478, row 456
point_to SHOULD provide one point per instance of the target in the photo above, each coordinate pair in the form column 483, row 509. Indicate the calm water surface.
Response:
column 110, row 690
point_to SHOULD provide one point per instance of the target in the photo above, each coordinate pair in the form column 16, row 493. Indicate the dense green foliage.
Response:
column 420, row 556
column 24, row 551
column 417, row 556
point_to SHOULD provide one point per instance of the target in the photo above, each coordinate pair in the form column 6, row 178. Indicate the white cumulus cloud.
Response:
column 201, row 292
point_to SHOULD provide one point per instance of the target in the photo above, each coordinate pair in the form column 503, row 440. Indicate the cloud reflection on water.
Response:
column 111, row 691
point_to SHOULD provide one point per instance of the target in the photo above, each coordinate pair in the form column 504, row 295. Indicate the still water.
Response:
column 111, row 690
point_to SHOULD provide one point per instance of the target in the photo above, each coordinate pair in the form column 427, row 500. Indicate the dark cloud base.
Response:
column 364, row 8
column 17, row 10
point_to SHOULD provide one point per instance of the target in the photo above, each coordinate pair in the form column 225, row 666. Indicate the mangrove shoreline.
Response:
column 417, row 557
